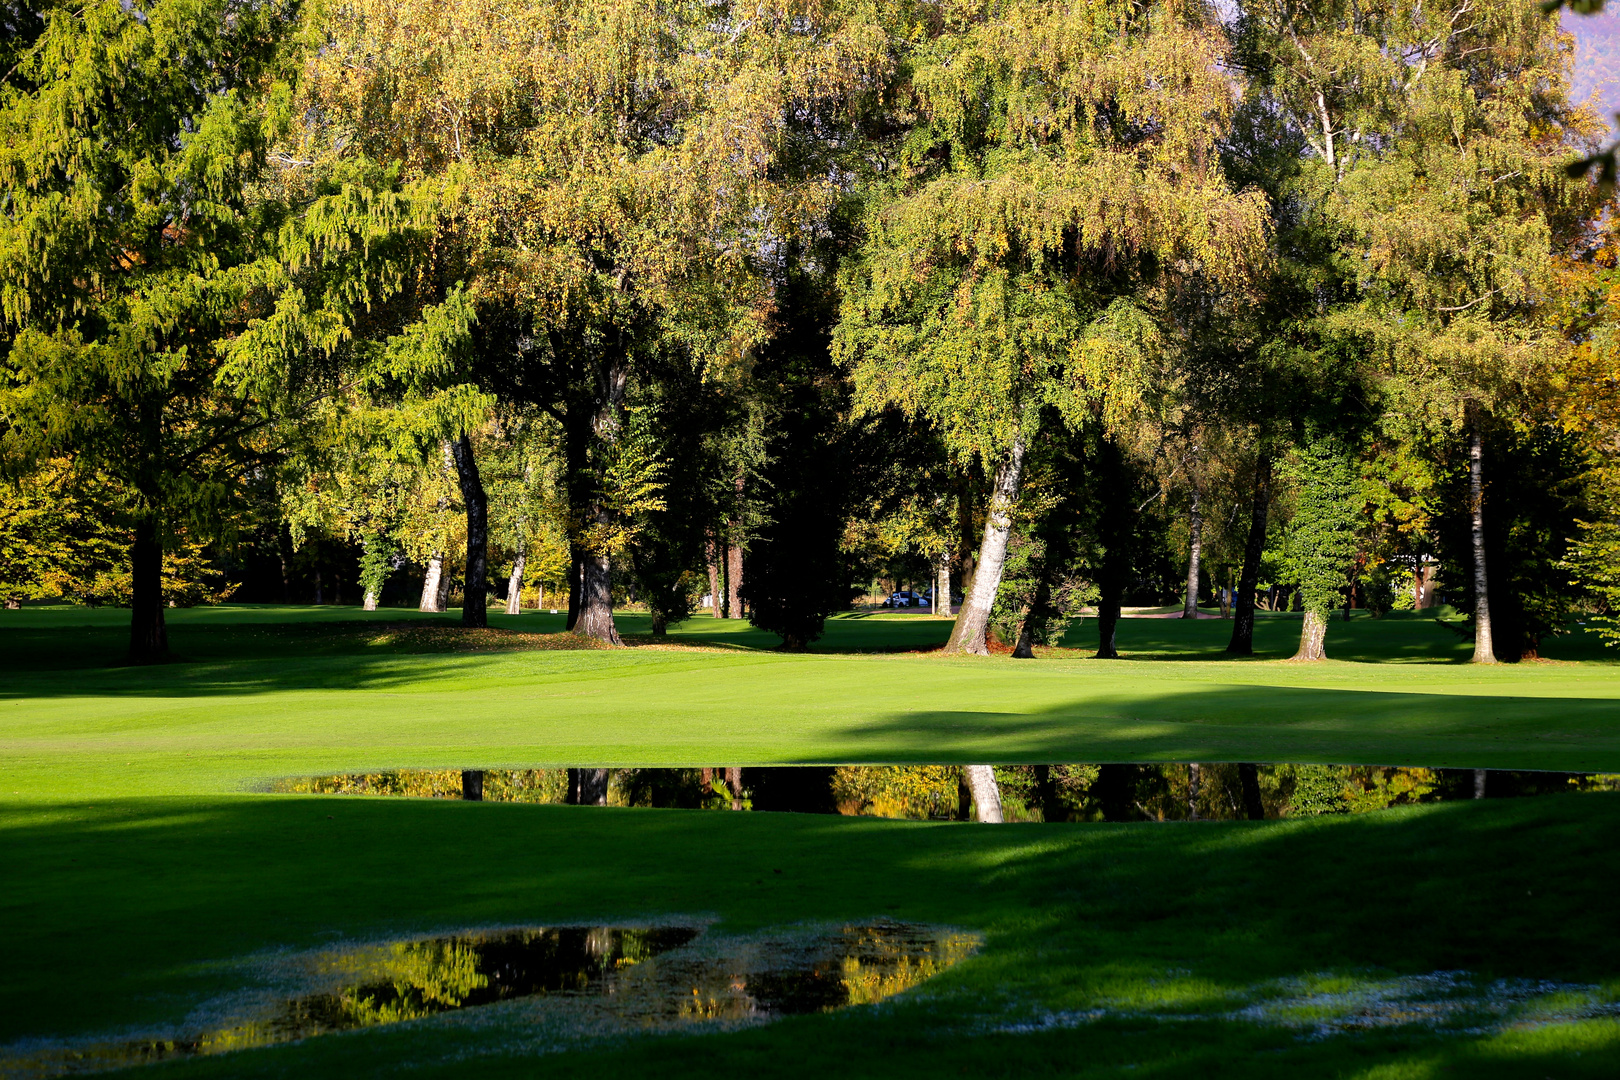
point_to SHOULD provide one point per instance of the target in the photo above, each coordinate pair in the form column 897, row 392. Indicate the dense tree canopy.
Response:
column 763, row 306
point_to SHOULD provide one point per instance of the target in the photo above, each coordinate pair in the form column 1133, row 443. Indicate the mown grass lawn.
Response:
column 139, row 861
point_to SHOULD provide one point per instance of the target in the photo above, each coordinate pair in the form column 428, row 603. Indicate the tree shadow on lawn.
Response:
column 128, row 912
column 1261, row 724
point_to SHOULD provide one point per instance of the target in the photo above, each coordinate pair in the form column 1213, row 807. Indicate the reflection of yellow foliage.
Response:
column 899, row 791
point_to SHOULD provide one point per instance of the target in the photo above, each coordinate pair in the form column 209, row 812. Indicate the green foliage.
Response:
column 1321, row 543
column 1011, row 255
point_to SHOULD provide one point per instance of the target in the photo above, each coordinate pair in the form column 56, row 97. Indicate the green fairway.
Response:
column 254, row 697
column 141, row 865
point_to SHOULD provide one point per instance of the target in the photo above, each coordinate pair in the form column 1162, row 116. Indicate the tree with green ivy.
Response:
column 1321, row 540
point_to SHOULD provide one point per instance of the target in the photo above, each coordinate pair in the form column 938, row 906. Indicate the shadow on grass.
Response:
column 125, row 912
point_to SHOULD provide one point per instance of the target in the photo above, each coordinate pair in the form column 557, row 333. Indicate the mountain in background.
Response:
column 1597, row 59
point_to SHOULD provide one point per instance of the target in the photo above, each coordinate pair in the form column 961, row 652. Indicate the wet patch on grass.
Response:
column 567, row 983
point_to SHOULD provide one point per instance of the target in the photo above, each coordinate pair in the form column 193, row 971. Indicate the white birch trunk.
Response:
column 968, row 635
column 514, row 588
column 981, row 781
column 1484, row 651
column 432, row 594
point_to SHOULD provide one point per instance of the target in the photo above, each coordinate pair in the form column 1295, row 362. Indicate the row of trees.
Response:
column 724, row 297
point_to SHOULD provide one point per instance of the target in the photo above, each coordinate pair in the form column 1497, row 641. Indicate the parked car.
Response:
column 906, row 598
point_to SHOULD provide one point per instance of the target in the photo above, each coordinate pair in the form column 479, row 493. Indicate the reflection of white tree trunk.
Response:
column 434, row 584
column 968, row 636
column 514, row 587
column 981, row 781
column 1484, row 653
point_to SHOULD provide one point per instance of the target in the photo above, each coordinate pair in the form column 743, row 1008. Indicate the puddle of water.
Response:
column 584, row 980
column 1052, row 792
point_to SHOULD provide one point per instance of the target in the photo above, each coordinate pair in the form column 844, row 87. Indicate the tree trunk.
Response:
column 1107, row 625
column 475, row 586
column 441, row 599
column 430, row 584
column 1480, row 776
column 472, row 785
column 148, row 634
column 370, row 601
column 1052, row 808
column 1195, row 777
column 968, row 635
column 1114, row 790
column 1249, row 781
column 514, row 586
column 1025, row 649
column 1312, row 637
column 319, row 597
column 1423, row 586
column 1484, row 651
column 981, row 780
column 1242, row 643
column 734, row 785
column 710, row 555
column 942, row 585
column 1189, row 609
column 734, row 578
column 587, row 787
column 596, row 602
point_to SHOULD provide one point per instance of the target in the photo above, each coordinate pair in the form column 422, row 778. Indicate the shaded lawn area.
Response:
column 124, row 913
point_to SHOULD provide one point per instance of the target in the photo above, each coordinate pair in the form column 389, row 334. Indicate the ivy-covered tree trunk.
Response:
column 1195, row 549
column 514, row 586
column 431, row 580
column 148, row 634
column 1031, row 625
column 475, row 586
column 1312, row 637
column 981, row 782
column 968, row 635
column 1242, row 643
column 1484, row 653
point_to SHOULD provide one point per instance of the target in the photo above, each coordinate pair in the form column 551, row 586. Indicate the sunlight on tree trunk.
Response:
column 1312, row 637
column 596, row 602
column 981, row 781
column 1484, row 652
column 968, row 635
column 431, row 581
column 370, row 601
column 942, row 585
column 514, row 586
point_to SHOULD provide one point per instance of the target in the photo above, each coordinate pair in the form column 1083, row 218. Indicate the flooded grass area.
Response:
column 578, row 981
column 1221, row 791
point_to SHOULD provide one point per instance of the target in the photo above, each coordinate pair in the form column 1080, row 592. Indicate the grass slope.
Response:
column 137, row 868
column 255, row 696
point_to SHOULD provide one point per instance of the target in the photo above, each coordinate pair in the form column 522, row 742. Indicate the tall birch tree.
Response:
column 1060, row 175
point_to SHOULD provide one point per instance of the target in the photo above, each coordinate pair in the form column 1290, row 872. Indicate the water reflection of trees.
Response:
column 1065, row 792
